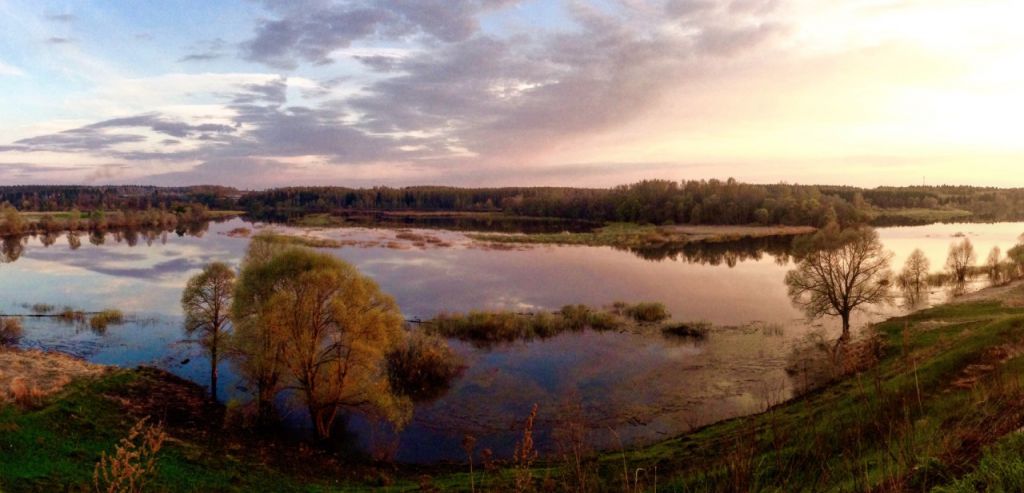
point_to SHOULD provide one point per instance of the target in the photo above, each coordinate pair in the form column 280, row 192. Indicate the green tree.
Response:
column 838, row 271
column 13, row 223
column 325, row 330
column 207, row 302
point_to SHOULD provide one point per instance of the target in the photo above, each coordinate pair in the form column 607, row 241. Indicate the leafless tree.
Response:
column 838, row 272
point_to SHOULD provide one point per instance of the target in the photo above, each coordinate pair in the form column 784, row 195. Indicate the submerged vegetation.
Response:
column 423, row 366
column 100, row 321
column 484, row 328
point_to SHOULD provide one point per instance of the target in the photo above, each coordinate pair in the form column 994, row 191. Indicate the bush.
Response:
column 423, row 367
column 42, row 308
column 486, row 328
column 647, row 312
column 695, row 330
column 10, row 331
column 102, row 320
column 71, row 315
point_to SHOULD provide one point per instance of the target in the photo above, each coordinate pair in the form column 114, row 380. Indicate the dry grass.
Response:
column 133, row 464
column 10, row 331
column 28, row 376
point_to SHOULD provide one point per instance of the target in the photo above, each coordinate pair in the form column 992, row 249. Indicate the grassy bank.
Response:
column 941, row 408
column 629, row 235
column 54, row 445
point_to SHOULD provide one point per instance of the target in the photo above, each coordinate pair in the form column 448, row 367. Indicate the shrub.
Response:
column 423, row 367
column 102, row 320
column 695, row 330
column 647, row 312
column 10, row 331
column 42, row 308
column 71, row 315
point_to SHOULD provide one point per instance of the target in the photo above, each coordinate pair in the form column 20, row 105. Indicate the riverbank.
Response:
column 936, row 402
column 941, row 408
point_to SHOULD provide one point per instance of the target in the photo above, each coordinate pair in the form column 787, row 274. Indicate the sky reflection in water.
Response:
column 643, row 386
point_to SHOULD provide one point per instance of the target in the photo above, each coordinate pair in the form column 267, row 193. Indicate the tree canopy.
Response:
column 311, row 323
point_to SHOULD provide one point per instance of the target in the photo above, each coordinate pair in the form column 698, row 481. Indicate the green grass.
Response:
column 632, row 236
column 919, row 216
column 623, row 235
column 57, row 446
column 871, row 429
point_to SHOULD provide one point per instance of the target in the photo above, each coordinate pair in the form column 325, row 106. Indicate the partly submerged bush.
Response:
column 423, row 367
column 102, row 320
column 71, row 315
column 42, row 308
column 486, row 328
column 647, row 312
column 694, row 330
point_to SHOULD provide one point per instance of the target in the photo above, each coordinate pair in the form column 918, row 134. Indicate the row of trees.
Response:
column 304, row 323
column 15, row 224
column 652, row 201
column 53, row 198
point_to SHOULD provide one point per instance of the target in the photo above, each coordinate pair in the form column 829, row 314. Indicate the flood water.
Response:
column 633, row 388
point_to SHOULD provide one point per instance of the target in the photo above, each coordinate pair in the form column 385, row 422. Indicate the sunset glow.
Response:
column 501, row 92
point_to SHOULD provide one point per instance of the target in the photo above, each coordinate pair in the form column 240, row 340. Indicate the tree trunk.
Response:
column 213, row 371
column 846, row 325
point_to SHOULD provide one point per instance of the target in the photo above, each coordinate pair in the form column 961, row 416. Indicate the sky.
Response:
column 267, row 93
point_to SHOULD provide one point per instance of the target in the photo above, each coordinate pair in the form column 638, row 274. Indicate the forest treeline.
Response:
column 651, row 201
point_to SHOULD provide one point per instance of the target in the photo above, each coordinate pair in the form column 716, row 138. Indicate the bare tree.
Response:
column 207, row 304
column 994, row 265
column 961, row 259
column 915, row 271
column 838, row 272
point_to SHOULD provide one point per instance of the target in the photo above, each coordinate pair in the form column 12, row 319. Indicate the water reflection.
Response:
column 729, row 253
column 642, row 386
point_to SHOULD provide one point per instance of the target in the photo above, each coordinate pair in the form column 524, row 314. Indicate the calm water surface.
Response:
column 633, row 387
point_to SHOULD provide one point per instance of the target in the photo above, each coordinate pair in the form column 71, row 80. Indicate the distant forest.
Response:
column 651, row 201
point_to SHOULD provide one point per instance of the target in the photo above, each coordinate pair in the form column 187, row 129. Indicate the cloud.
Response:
column 99, row 137
column 450, row 96
column 10, row 70
column 61, row 17
column 521, row 95
column 206, row 51
column 57, row 40
column 311, row 30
